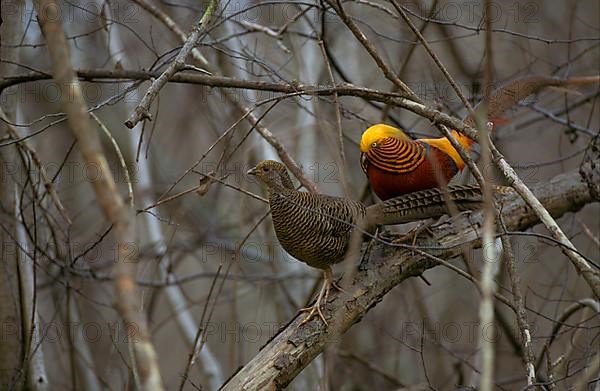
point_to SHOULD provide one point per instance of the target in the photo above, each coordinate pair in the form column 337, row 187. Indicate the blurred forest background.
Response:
column 207, row 259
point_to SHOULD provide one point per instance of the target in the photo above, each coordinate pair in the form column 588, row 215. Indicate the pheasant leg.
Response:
column 315, row 309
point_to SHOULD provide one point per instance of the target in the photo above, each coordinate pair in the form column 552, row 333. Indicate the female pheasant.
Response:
column 396, row 164
column 317, row 228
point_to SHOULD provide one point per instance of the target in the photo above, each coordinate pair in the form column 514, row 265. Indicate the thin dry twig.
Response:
column 197, row 340
column 369, row 365
column 338, row 121
column 589, row 303
column 247, row 112
column 521, row 313
column 120, row 156
column 590, row 275
column 48, row 184
column 360, row 36
column 142, row 110
column 435, row 58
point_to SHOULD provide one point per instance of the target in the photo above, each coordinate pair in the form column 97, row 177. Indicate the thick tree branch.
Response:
column 294, row 347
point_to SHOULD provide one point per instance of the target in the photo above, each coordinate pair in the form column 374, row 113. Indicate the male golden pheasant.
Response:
column 395, row 164
column 317, row 228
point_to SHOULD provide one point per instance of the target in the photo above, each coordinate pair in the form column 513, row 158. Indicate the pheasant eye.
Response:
column 265, row 169
column 374, row 145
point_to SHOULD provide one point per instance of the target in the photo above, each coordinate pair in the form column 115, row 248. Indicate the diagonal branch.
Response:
column 435, row 58
column 142, row 110
column 247, row 112
column 591, row 276
column 361, row 37
column 112, row 204
column 294, row 347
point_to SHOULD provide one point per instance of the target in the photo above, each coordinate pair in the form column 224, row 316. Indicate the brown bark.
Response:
column 11, row 333
column 295, row 346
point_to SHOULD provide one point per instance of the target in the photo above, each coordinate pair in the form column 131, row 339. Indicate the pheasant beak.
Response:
column 252, row 171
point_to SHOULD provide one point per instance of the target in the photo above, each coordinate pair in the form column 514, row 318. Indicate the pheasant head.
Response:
column 273, row 175
column 373, row 138
column 373, row 135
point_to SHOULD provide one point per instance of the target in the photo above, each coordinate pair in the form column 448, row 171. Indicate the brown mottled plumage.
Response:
column 303, row 221
column 317, row 228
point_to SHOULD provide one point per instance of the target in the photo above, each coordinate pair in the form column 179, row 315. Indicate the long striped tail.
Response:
column 424, row 204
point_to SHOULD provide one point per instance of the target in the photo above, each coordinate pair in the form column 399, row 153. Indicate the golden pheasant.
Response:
column 317, row 228
column 395, row 164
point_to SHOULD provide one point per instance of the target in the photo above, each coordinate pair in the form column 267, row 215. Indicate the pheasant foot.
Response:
column 315, row 309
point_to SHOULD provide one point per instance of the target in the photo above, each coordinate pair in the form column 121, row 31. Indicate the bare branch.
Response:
column 106, row 191
column 295, row 346
column 142, row 111
column 591, row 276
column 360, row 36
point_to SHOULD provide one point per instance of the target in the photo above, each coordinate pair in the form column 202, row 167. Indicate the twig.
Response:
column 435, row 58
column 567, row 313
column 589, row 233
column 372, row 368
column 247, row 112
column 38, row 163
column 193, row 189
column 120, row 156
column 477, row 30
column 360, row 36
column 591, row 276
column 338, row 121
column 521, row 313
column 411, row 49
column 196, row 345
column 559, row 120
column 142, row 110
